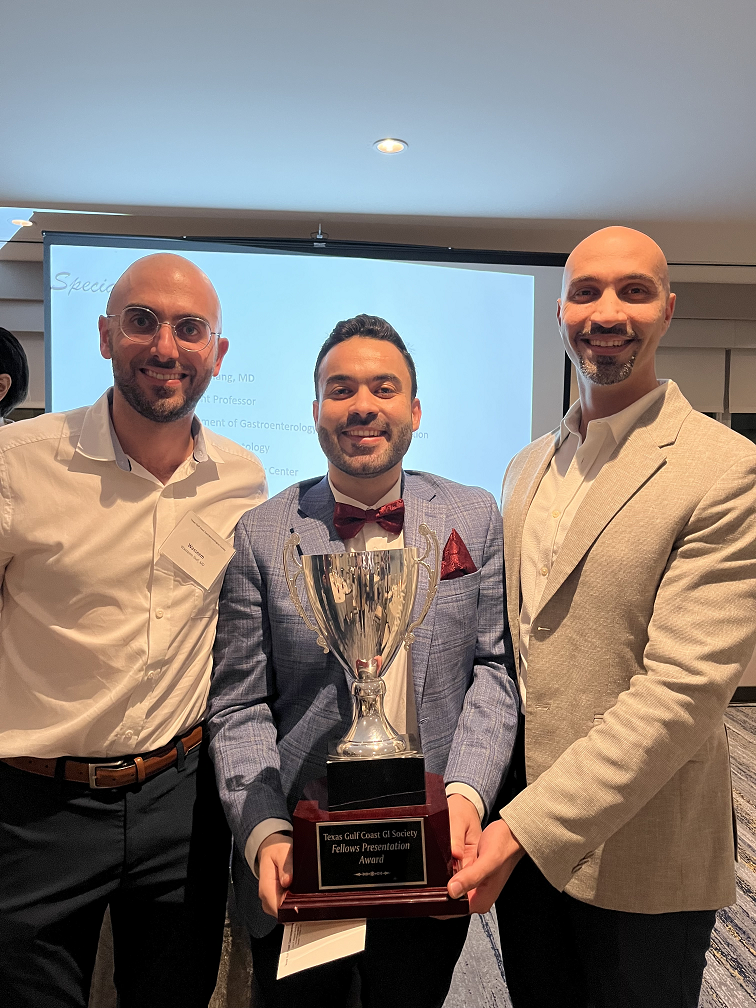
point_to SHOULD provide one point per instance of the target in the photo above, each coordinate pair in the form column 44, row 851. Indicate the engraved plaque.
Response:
column 371, row 854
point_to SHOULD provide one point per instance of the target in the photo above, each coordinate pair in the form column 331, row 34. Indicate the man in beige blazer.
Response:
column 630, row 550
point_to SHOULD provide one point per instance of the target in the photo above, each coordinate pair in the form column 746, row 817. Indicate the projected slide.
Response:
column 470, row 332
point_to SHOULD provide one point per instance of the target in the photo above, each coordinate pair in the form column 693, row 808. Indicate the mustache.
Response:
column 616, row 330
column 171, row 365
column 364, row 420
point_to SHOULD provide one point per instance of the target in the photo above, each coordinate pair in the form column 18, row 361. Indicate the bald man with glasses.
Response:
column 106, row 794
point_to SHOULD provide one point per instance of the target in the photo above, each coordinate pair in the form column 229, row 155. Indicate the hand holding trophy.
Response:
column 372, row 838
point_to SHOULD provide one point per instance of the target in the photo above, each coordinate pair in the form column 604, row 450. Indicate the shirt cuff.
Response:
column 457, row 787
column 260, row 833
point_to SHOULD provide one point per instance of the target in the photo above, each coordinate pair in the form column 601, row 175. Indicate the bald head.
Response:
column 612, row 246
column 170, row 276
column 615, row 308
column 163, row 376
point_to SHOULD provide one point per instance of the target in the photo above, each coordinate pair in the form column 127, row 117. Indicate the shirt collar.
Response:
column 394, row 494
column 620, row 424
column 98, row 439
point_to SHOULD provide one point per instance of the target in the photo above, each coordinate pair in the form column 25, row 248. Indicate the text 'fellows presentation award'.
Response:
column 371, row 839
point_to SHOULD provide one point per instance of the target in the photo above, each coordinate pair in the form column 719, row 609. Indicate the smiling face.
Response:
column 365, row 414
column 161, row 380
column 615, row 307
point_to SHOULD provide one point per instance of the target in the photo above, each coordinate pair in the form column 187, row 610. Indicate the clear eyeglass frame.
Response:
column 192, row 348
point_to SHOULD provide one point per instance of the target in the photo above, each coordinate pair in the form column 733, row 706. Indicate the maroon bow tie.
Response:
column 348, row 520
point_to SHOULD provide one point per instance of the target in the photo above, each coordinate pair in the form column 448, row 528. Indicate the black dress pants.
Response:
column 157, row 854
column 561, row 953
column 407, row 961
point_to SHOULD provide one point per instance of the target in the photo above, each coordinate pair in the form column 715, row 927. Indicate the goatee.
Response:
column 607, row 370
column 366, row 464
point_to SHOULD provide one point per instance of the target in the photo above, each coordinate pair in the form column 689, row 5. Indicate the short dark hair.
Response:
column 13, row 363
column 369, row 327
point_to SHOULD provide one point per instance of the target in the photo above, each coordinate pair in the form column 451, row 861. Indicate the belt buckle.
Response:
column 94, row 767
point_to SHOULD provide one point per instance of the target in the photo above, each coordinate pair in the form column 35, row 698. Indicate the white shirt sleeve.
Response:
column 457, row 787
column 263, row 830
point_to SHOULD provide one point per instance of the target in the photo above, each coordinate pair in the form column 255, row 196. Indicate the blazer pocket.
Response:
column 456, row 588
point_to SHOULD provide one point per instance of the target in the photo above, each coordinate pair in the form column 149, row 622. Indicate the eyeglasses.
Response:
column 141, row 325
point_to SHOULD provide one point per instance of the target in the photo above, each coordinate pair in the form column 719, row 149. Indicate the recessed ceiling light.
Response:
column 390, row 145
column 22, row 223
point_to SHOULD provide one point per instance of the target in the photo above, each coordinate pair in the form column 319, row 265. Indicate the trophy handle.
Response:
column 431, row 542
column 290, row 556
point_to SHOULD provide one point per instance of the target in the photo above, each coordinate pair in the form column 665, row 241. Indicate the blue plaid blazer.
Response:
column 277, row 700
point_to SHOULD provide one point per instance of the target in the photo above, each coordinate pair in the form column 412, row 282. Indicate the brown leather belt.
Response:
column 115, row 773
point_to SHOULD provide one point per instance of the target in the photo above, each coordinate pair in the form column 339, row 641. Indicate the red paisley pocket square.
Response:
column 456, row 559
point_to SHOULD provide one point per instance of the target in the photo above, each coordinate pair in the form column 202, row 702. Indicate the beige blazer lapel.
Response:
column 634, row 462
column 517, row 495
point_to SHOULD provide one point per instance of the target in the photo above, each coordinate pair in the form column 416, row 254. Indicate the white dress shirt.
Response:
column 569, row 477
column 107, row 645
column 399, row 700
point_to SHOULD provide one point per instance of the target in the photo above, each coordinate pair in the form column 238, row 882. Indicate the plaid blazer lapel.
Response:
column 421, row 505
column 313, row 521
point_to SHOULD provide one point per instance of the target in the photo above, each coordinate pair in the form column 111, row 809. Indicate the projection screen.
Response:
column 483, row 335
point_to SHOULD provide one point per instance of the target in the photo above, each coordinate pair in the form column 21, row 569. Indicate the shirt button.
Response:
column 158, row 614
column 555, row 514
column 544, row 571
column 150, row 675
column 129, row 734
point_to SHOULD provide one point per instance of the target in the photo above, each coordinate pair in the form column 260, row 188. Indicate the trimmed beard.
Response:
column 365, row 464
column 167, row 406
column 607, row 370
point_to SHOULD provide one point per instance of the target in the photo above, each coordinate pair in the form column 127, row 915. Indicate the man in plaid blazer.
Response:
column 277, row 700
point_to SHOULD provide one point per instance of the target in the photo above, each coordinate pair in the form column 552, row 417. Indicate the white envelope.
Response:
column 313, row 943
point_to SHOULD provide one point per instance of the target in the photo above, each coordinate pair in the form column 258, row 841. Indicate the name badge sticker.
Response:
column 197, row 550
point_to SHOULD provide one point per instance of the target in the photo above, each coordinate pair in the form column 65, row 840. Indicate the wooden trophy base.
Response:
column 374, row 862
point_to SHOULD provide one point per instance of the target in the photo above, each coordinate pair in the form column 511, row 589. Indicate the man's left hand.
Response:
column 483, row 880
column 465, row 829
column 464, row 824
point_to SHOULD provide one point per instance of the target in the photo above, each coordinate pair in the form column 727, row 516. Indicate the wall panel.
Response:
column 743, row 381
column 700, row 373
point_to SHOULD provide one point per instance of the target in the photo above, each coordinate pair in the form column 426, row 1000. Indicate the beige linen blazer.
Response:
column 646, row 622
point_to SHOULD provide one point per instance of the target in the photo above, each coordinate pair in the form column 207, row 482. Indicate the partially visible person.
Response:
column 107, row 796
column 14, row 374
column 630, row 549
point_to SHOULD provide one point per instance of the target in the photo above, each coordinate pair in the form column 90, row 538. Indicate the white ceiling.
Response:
column 533, row 109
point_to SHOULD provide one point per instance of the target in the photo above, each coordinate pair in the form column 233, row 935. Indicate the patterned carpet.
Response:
column 730, row 978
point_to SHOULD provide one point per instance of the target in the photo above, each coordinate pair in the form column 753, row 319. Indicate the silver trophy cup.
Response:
column 362, row 603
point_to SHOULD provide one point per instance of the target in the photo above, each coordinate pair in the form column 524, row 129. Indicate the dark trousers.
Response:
column 407, row 961
column 157, row 854
column 561, row 953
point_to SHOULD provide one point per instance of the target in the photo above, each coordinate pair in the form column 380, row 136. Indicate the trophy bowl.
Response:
column 362, row 604
column 371, row 838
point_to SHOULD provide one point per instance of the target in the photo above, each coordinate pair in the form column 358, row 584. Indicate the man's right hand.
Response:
column 275, row 870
